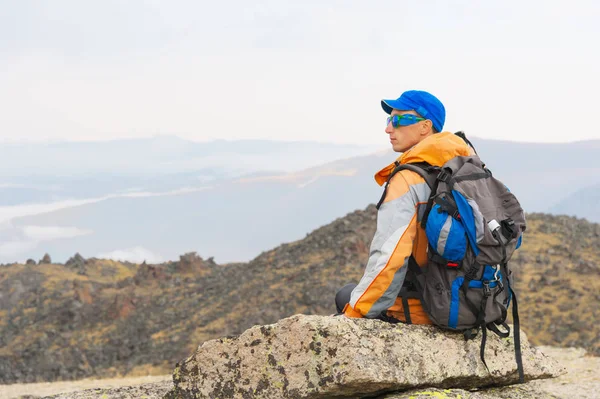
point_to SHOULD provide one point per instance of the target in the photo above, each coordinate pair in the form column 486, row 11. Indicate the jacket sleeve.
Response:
column 390, row 248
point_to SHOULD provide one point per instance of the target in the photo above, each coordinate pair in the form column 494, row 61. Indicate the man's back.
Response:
column 399, row 234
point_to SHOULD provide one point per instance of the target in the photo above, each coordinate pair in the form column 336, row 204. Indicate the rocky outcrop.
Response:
column 153, row 390
column 158, row 390
column 46, row 260
column 511, row 392
column 324, row 356
column 191, row 261
column 77, row 263
column 582, row 381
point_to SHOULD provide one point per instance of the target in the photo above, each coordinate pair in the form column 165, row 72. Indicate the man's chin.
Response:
column 398, row 148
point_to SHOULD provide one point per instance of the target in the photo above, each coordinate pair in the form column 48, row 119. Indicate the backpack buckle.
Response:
column 486, row 289
column 443, row 176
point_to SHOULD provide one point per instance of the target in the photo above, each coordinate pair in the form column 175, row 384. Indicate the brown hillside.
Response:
column 103, row 318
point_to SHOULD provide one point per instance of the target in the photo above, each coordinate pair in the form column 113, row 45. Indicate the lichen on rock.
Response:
column 322, row 357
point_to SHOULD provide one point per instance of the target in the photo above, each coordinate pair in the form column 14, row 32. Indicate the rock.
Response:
column 159, row 389
column 153, row 390
column 583, row 378
column 581, row 382
column 320, row 357
column 191, row 261
column 190, row 257
column 76, row 259
column 46, row 260
column 587, row 267
column 77, row 263
column 147, row 273
column 525, row 391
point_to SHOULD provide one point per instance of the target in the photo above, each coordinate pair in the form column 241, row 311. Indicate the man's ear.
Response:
column 427, row 127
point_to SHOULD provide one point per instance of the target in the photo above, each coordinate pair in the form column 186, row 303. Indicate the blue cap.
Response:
column 425, row 104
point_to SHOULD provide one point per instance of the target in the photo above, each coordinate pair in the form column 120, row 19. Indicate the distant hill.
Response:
column 542, row 173
column 99, row 317
column 235, row 219
column 165, row 155
column 583, row 203
column 35, row 173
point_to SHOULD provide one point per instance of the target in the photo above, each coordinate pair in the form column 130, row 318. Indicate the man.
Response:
column 415, row 129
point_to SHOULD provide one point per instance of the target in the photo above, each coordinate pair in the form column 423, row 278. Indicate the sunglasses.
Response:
column 403, row 120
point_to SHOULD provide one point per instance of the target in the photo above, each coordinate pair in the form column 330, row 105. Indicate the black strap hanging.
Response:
column 481, row 321
column 417, row 278
column 494, row 328
column 517, row 336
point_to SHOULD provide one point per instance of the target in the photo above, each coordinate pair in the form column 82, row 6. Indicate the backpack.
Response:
column 473, row 224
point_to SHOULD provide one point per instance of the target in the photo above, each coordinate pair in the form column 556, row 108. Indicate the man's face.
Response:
column 403, row 138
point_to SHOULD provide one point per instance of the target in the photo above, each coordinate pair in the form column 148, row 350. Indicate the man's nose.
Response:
column 389, row 129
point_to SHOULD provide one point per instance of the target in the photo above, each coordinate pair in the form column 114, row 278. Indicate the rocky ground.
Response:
column 156, row 386
column 582, row 381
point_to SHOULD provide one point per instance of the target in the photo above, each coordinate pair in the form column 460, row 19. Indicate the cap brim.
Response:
column 390, row 105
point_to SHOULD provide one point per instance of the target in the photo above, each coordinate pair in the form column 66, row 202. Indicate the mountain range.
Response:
column 165, row 155
column 235, row 218
column 584, row 203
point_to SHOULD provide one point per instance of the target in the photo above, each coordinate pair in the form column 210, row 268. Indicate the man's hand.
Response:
column 339, row 314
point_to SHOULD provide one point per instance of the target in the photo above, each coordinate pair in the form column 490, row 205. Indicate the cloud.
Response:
column 16, row 241
column 53, row 187
column 311, row 70
column 7, row 213
column 47, row 233
column 135, row 255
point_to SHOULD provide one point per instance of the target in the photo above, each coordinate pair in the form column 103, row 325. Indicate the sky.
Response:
column 294, row 70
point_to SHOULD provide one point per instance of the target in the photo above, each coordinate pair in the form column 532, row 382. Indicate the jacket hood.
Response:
column 436, row 150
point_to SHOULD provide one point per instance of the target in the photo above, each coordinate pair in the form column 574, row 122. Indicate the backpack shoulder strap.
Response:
column 463, row 136
column 423, row 169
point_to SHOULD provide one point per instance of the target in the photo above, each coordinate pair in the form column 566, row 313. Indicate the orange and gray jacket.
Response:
column 399, row 234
